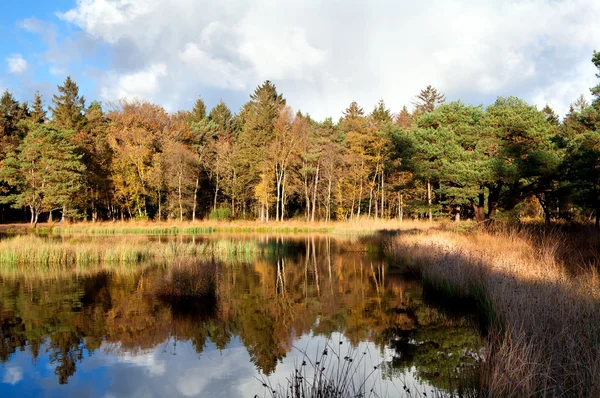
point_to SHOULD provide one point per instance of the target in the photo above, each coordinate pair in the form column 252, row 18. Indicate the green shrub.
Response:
column 220, row 214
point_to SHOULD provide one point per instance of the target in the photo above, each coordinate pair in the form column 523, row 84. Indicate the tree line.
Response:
column 134, row 160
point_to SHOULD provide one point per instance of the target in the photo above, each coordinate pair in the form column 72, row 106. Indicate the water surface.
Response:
column 104, row 332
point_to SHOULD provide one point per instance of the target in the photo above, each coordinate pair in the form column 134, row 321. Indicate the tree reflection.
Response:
column 268, row 303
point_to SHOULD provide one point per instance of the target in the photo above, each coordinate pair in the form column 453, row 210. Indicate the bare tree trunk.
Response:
column 216, row 192
column 64, row 215
column 267, row 209
column 382, row 195
column 314, row 260
column 372, row 187
column 429, row 200
column 283, row 197
column 159, row 206
column 195, row 198
column 277, row 195
column 314, row 199
column 353, row 199
column 360, row 196
column 306, row 195
column 179, row 177
column 370, row 201
column 278, row 178
column 328, row 216
column 233, row 194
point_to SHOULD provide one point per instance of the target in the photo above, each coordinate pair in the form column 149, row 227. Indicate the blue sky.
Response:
column 321, row 54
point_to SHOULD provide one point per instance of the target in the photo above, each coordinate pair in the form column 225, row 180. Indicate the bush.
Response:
column 188, row 278
column 220, row 214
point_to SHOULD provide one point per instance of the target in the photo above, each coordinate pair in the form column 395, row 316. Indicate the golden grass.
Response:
column 71, row 253
column 362, row 226
column 544, row 335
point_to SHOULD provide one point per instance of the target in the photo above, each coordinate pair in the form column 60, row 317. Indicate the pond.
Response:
column 113, row 331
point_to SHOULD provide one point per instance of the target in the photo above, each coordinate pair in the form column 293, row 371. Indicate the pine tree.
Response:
column 353, row 111
column 37, row 113
column 10, row 115
column 381, row 114
column 46, row 169
column 596, row 89
column 199, row 111
column 68, row 106
column 10, row 111
column 428, row 99
column 404, row 118
column 551, row 116
column 222, row 117
column 257, row 132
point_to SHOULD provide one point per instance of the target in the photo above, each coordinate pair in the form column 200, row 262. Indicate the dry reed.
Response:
column 544, row 337
column 188, row 278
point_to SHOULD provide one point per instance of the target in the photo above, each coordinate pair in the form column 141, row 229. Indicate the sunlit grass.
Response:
column 34, row 252
column 362, row 226
column 544, row 334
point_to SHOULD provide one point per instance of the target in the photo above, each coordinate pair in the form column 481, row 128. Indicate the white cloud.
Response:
column 16, row 64
column 57, row 71
column 141, row 84
column 561, row 94
column 322, row 55
column 13, row 375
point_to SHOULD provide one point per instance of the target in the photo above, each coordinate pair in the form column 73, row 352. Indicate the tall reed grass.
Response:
column 362, row 226
column 30, row 251
column 330, row 373
column 544, row 320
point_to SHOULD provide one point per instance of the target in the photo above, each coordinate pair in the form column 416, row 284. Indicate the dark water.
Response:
column 106, row 333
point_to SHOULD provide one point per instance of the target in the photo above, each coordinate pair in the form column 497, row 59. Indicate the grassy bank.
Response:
column 34, row 252
column 544, row 313
column 358, row 227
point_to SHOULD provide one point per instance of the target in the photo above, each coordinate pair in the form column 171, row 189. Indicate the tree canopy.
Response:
column 267, row 161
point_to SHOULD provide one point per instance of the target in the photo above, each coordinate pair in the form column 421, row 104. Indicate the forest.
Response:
column 71, row 160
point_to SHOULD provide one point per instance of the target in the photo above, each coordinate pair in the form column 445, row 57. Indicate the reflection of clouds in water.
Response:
column 13, row 375
column 185, row 373
column 366, row 355
column 149, row 361
column 229, row 373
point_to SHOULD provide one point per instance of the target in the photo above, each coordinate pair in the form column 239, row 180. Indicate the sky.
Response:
column 320, row 54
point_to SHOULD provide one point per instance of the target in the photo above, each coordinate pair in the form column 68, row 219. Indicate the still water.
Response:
column 104, row 332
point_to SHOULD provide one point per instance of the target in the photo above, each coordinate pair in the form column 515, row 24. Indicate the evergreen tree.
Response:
column 381, row 114
column 551, row 116
column 596, row 89
column 10, row 132
column 92, row 144
column 45, row 169
column 38, row 113
column 198, row 111
column 222, row 117
column 10, row 111
column 583, row 156
column 257, row 132
column 404, row 118
column 428, row 99
column 353, row 111
column 68, row 108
